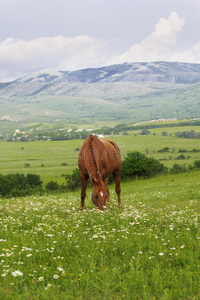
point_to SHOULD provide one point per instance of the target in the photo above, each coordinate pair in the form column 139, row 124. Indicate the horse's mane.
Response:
column 93, row 158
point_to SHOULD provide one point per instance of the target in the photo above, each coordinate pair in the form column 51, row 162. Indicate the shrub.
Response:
column 33, row 180
column 182, row 156
column 145, row 132
column 182, row 150
column 197, row 164
column 73, row 180
column 165, row 149
column 137, row 164
column 13, row 185
column 164, row 133
column 52, row 186
column 177, row 169
column 5, row 185
column 125, row 133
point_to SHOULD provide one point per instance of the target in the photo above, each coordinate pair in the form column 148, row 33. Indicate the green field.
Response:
column 46, row 157
column 150, row 249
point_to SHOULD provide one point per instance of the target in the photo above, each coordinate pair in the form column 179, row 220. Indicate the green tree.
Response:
column 164, row 133
column 5, row 185
column 145, row 132
column 137, row 164
column 33, row 180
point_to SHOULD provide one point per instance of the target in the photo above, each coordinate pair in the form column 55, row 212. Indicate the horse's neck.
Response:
column 92, row 167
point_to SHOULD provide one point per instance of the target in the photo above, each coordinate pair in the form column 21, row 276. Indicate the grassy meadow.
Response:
column 46, row 158
column 150, row 249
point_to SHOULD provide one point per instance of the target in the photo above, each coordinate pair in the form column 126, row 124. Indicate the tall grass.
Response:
column 150, row 249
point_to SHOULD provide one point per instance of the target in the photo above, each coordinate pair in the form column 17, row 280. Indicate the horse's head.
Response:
column 100, row 193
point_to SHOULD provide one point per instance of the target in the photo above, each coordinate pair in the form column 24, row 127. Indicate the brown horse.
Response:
column 98, row 159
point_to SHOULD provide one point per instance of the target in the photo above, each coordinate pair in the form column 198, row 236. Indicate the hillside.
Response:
column 127, row 92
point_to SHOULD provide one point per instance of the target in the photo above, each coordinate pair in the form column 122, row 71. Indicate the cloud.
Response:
column 19, row 57
column 158, row 45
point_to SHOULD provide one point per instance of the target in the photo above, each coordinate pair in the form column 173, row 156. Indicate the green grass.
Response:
column 148, row 250
column 46, row 158
column 152, row 143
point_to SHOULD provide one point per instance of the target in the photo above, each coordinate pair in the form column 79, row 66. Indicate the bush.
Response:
column 14, row 185
column 52, row 186
column 182, row 156
column 145, row 132
column 197, row 164
column 165, row 149
column 33, row 180
column 137, row 164
column 177, row 169
column 182, row 150
column 5, row 185
column 73, row 180
column 164, row 133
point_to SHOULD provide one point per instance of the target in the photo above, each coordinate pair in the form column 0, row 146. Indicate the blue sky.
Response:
column 40, row 35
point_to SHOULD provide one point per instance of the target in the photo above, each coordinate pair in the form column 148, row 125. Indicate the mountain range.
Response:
column 128, row 92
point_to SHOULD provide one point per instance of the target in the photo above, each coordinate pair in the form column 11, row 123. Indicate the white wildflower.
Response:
column 17, row 273
column 40, row 278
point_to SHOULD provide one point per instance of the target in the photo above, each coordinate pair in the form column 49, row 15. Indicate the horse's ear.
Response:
column 94, row 181
column 106, row 181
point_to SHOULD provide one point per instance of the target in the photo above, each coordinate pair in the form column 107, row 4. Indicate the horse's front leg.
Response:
column 107, row 196
column 83, row 190
column 117, row 186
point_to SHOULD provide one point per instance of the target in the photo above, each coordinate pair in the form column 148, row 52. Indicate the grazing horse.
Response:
column 98, row 159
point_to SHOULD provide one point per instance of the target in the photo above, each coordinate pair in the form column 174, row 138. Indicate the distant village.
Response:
column 37, row 134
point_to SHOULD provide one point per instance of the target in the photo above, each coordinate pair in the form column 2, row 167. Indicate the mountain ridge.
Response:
column 124, row 92
column 155, row 72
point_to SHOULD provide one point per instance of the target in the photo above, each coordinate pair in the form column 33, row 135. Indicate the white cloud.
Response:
column 156, row 46
column 19, row 57
column 191, row 55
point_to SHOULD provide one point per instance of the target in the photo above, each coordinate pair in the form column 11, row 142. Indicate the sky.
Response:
column 66, row 35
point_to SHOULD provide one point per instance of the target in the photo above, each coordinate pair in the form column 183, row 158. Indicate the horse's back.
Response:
column 112, row 156
column 105, row 152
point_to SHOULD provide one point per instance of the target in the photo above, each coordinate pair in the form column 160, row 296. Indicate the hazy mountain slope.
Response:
column 127, row 92
column 133, row 72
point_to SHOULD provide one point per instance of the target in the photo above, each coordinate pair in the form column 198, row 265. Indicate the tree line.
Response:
column 188, row 134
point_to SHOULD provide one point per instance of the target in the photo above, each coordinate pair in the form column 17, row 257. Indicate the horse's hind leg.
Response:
column 117, row 186
column 83, row 190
